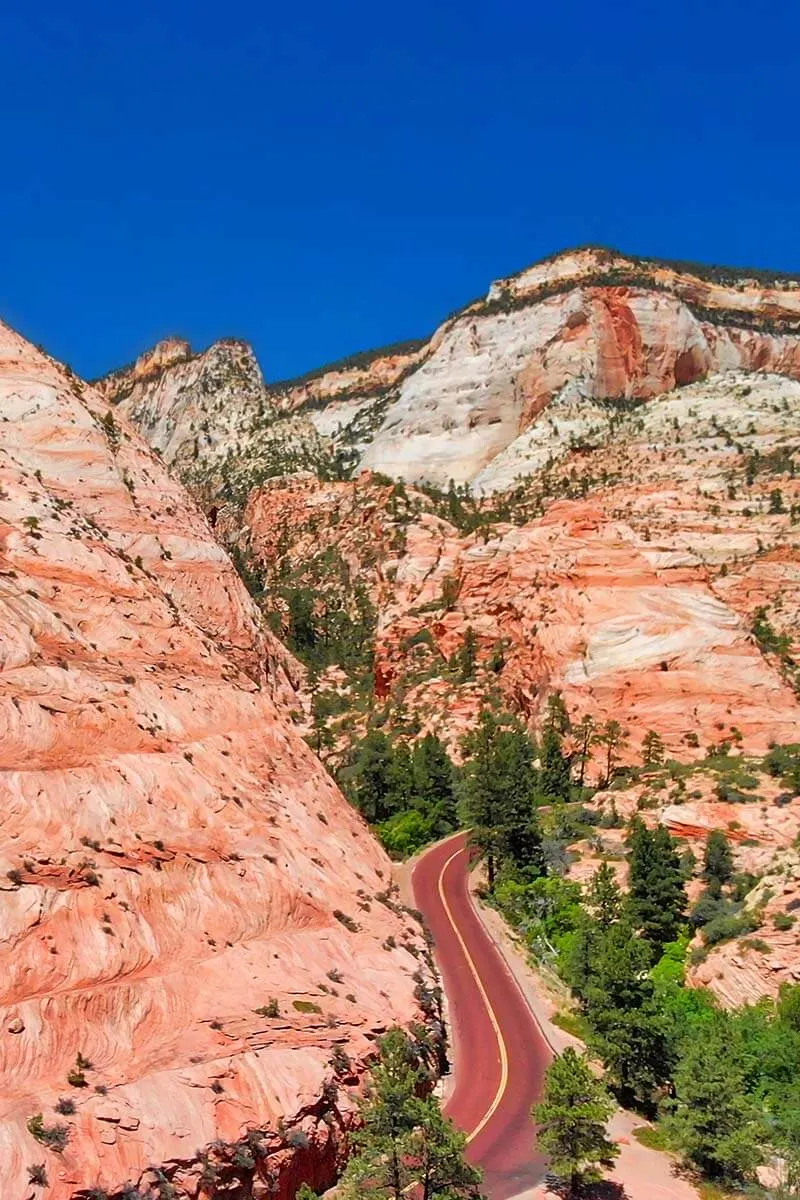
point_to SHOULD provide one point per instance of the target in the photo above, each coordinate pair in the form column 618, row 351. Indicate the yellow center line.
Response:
column 501, row 1045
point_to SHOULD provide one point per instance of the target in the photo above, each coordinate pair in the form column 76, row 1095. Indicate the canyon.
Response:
column 590, row 472
column 584, row 484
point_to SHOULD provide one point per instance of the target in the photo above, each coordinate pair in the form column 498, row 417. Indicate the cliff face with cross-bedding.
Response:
column 476, row 402
column 173, row 858
column 651, row 574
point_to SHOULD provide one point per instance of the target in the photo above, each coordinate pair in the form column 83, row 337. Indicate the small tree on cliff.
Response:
column 556, row 715
column 468, row 655
column 652, row 749
column 584, row 736
column 554, row 776
column 406, row 1146
column 717, row 861
column 571, row 1120
column 611, row 737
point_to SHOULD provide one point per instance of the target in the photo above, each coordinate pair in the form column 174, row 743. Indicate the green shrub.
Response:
column 404, row 833
column 55, row 1137
column 270, row 1009
column 344, row 919
column 755, row 944
column 306, row 1006
column 727, row 926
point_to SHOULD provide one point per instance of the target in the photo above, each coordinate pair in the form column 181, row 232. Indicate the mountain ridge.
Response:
column 708, row 271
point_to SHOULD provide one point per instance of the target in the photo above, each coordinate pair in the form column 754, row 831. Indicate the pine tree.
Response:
column 468, row 655
column 604, row 897
column 400, row 794
column 584, row 734
column 434, row 784
column 388, row 1113
column 652, row 749
column 554, row 776
column 571, row 1119
column 611, row 736
column 718, row 859
column 436, row 1149
column 303, row 636
column 498, row 785
column 323, row 706
column 406, row 1147
column 557, row 716
column 373, row 779
column 520, row 839
column 657, row 899
column 482, row 803
column 628, row 1031
column 713, row 1120
column 577, row 958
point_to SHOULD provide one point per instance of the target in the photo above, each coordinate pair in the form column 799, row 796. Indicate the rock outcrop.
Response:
column 211, row 417
column 587, row 326
column 194, row 922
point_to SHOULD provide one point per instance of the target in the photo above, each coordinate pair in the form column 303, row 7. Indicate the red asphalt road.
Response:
column 500, row 1054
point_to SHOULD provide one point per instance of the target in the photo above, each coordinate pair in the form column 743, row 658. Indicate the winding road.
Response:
column 500, row 1054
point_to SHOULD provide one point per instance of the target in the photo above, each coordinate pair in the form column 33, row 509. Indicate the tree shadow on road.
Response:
column 603, row 1189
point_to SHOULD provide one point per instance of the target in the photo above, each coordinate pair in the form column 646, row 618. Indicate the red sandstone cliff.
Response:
column 172, row 856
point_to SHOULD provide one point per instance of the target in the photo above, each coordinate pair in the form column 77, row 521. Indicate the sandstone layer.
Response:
column 173, row 857
column 587, row 326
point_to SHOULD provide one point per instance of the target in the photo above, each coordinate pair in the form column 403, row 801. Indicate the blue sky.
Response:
column 323, row 178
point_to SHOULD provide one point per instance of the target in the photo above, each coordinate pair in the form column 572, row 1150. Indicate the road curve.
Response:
column 500, row 1054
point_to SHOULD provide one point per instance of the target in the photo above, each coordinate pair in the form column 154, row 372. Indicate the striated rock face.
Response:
column 476, row 402
column 184, row 402
column 637, row 601
column 172, row 856
column 585, row 327
column 742, row 971
column 211, row 417
column 336, row 393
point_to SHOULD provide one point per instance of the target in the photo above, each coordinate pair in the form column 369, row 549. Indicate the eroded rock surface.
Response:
column 172, row 856
column 211, row 417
